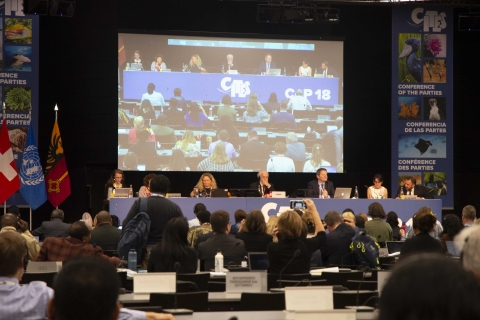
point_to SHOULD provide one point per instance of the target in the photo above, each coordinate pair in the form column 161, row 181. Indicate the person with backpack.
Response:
column 159, row 211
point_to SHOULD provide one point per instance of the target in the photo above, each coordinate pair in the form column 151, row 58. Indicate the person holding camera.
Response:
column 10, row 222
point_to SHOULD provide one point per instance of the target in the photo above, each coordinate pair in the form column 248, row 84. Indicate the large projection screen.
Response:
column 265, row 109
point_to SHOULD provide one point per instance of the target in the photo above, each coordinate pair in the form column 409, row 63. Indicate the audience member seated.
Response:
column 296, row 150
column 271, row 227
column 430, row 287
column 10, row 223
column 199, row 207
column 348, row 217
column 188, row 145
column 197, row 116
column 233, row 253
column 177, row 162
column 299, row 102
column 316, row 161
column 334, row 140
column 253, row 232
column 335, row 251
column 469, row 214
column 280, row 162
column 116, row 180
column 435, row 233
column 173, row 248
column 423, row 223
column 223, row 137
column 204, row 186
column 239, row 216
column 146, row 110
column 163, row 133
column 227, row 109
column 255, row 112
column 97, row 284
column 377, row 228
column 138, row 125
column 155, row 98
column 282, row 119
column 272, row 104
column 158, row 64
column 217, row 161
column 225, row 123
column 377, row 191
column 182, row 103
column 262, row 185
column 143, row 148
column 77, row 245
column 104, row 234
column 253, row 149
column 452, row 225
column 174, row 116
column 203, row 228
column 397, row 232
column 309, row 221
column 130, row 161
column 290, row 239
column 56, row 227
column 144, row 191
column 17, row 301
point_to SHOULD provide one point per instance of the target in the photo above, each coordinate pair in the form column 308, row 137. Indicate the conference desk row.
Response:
column 405, row 209
column 274, row 315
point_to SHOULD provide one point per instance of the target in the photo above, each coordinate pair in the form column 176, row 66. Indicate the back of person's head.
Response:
column 175, row 231
column 57, row 214
column 173, row 103
column 219, row 221
column 424, row 222
column 470, row 253
column 204, row 216
column 239, row 215
column 271, row 225
column 252, row 134
column 115, row 220
column 348, row 215
column 12, row 252
column 85, row 288
column 199, row 207
column 452, row 225
column 8, row 220
column 14, row 210
column 147, row 178
column 150, row 88
column 430, row 287
column 375, row 210
column 280, row 147
column 299, row 92
column 162, row 119
column 359, row 222
column 177, row 91
column 332, row 218
column 292, row 136
column 307, row 218
column 79, row 230
column 348, row 210
column 159, row 184
column 143, row 134
column 174, row 244
column 392, row 219
column 289, row 225
column 364, row 216
column 223, row 135
column 103, row 217
column 283, row 104
column 469, row 212
column 255, row 222
column 227, row 100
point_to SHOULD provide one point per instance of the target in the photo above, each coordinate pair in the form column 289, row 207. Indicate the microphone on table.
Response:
column 296, row 254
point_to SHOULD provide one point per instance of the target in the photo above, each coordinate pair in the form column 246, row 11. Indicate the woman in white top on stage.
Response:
column 377, row 191
column 305, row 70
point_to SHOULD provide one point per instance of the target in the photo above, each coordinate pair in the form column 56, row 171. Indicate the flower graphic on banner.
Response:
column 435, row 45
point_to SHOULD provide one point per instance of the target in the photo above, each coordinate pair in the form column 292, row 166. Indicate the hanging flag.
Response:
column 9, row 181
column 32, row 181
column 56, row 173
column 122, row 56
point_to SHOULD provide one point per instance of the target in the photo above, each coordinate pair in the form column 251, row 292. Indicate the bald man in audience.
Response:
column 54, row 228
column 77, row 245
column 12, row 223
column 469, row 214
column 104, row 234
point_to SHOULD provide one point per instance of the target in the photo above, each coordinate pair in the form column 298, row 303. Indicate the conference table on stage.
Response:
column 405, row 209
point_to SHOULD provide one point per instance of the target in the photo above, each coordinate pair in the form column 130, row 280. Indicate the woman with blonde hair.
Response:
column 205, row 185
column 217, row 161
column 271, row 226
column 255, row 112
column 138, row 125
column 316, row 161
column 188, row 145
column 195, row 65
column 290, row 241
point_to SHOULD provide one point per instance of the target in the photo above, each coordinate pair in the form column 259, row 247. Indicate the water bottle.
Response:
column 223, row 68
column 284, row 71
column 128, row 66
column 356, row 193
column 219, row 262
column 130, row 192
column 402, row 194
column 244, row 262
column 110, row 192
column 196, row 192
column 132, row 260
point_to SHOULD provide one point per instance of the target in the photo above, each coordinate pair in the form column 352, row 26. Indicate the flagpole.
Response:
column 5, row 203
column 30, row 116
column 30, row 218
column 56, row 117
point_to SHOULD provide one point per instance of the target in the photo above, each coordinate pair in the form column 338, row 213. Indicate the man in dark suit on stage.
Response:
column 221, row 240
column 266, row 65
column 410, row 188
column 253, row 150
column 105, row 235
column 321, row 188
column 262, row 184
column 54, row 228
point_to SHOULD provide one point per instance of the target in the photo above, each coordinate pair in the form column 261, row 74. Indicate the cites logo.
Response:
column 430, row 19
column 238, row 88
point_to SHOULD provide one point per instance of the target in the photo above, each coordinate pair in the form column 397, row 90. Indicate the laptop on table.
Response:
column 342, row 193
column 394, row 247
column 258, row 261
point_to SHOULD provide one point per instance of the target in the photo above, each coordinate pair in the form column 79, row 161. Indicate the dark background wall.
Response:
column 79, row 72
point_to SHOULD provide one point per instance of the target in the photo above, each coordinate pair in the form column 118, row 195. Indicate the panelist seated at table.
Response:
column 217, row 161
column 197, row 116
column 262, row 185
column 266, row 65
column 137, row 58
column 327, row 70
column 195, row 65
column 204, row 186
column 280, row 162
column 223, row 137
column 255, row 112
column 410, row 188
column 305, row 70
column 116, row 180
column 233, row 249
column 158, row 64
column 377, row 191
column 299, row 102
column 282, row 118
column 230, row 65
column 321, row 188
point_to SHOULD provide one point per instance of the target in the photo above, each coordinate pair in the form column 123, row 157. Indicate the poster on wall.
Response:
column 19, row 52
column 422, row 103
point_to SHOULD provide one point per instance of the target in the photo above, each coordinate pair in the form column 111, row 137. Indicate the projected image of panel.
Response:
column 230, row 104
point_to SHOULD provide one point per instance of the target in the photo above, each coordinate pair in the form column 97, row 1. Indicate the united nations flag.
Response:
column 32, row 181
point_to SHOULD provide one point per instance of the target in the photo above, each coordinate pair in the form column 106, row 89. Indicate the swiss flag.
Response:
column 9, row 180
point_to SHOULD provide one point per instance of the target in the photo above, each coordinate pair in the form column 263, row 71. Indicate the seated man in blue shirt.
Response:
column 283, row 118
column 295, row 150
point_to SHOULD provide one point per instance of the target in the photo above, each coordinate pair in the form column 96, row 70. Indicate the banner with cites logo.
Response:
column 422, row 102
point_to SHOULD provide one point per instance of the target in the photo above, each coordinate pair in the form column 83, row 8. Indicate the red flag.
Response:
column 9, row 180
column 122, row 57
column 56, row 175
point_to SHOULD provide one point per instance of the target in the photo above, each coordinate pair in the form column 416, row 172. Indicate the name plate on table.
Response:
column 155, row 282
column 278, row 194
column 246, row 282
column 329, row 314
column 44, row 266
column 174, row 195
column 309, row 298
